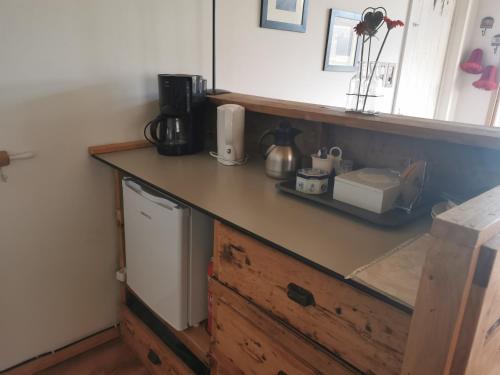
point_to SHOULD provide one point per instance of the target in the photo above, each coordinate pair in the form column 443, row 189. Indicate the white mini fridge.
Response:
column 167, row 246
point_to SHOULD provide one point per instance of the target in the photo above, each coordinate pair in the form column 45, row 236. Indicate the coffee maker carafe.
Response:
column 178, row 129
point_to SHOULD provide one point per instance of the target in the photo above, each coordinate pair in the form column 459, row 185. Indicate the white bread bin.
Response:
column 372, row 189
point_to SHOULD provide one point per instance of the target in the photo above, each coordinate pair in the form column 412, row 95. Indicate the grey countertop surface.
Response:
column 246, row 198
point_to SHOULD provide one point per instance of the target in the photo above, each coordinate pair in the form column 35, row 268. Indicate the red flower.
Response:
column 360, row 28
column 391, row 24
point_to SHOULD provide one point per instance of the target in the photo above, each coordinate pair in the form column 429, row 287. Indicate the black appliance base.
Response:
column 177, row 150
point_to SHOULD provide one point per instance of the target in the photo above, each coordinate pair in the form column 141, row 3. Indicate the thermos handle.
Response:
column 264, row 152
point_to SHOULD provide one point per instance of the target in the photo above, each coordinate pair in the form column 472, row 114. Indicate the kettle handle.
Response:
column 267, row 133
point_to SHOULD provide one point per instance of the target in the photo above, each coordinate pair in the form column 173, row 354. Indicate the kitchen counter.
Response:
column 246, row 198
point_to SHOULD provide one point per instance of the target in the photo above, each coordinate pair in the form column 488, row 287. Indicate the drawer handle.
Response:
column 281, row 373
column 300, row 295
column 154, row 358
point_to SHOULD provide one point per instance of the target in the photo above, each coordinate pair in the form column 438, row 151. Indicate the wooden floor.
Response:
column 111, row 358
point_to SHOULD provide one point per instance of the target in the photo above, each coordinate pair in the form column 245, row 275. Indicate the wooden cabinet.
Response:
column 149, row 348
column 362, row 330
column 247, row 341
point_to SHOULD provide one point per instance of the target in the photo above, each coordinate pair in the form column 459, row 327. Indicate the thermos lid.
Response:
column 284, row 134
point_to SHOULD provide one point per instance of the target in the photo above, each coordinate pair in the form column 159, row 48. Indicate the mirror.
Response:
column 419, row 68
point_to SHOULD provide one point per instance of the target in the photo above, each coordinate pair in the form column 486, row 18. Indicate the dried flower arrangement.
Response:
column 371, row 22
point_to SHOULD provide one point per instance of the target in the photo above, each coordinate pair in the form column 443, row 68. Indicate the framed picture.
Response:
column 342, row 44
column 288, row 15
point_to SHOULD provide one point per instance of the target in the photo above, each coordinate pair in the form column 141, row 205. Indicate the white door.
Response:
column 424, row 53
column 157, row 252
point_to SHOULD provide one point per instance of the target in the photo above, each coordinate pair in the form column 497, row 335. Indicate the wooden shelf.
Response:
column 471, row 135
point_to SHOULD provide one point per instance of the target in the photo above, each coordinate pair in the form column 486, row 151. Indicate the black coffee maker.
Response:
column 178, row 129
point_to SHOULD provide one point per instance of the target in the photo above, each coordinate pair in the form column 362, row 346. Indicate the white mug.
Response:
column 330, row 163
column 323, row 164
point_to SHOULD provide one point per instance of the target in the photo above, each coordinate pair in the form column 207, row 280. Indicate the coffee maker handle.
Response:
column 146, row 131
column 263, row 151
column 151, row 130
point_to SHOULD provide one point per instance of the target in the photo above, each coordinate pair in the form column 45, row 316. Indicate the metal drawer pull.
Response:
column 281, row 373
column 154, row 358
column 300, row 295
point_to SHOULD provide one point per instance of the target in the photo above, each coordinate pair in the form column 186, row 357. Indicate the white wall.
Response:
column 73, row 73
column 284, row 64
column 472, row 104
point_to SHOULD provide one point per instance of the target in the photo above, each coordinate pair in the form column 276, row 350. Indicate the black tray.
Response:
column 393, row 218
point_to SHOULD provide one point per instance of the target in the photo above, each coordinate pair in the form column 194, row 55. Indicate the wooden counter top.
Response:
column 244, row 197
column 452, row 132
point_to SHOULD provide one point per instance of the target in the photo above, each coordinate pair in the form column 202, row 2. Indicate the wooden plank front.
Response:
column 144, row 342
column 247, row 341
column 479, row 344
column 360, row 329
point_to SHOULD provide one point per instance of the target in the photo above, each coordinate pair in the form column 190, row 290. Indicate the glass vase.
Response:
column 364, row 91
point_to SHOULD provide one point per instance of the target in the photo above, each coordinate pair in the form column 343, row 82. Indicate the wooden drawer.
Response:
column 155, row 355
column 247, row 341
column 364, row 331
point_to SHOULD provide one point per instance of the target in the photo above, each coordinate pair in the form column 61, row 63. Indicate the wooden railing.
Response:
column 455, row 327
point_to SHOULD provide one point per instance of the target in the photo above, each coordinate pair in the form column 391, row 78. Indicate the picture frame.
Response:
column 289, row 15
column 342, row 43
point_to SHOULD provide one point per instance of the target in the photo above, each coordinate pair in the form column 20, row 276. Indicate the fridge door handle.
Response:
column 149, row 196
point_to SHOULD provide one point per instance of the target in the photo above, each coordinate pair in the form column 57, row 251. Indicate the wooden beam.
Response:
column 472, row 223
column 116, row 147
column 485, row 299
column 120, row 231
column 479, row 342
column 452, row 132
column 49, row 360
column 446, row 282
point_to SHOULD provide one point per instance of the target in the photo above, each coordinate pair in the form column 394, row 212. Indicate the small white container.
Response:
column 326, row 165
column 372, row 189
column 331, row 161
column 312, row 181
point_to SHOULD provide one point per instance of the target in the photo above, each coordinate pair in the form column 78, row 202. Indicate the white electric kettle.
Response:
column 230, row 134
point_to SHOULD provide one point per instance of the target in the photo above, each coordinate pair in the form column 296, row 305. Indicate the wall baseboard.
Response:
column 48, row 360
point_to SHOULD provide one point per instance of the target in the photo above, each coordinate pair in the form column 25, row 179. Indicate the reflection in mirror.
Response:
column 342, row 46
column 439, row 37
column 419, row 66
